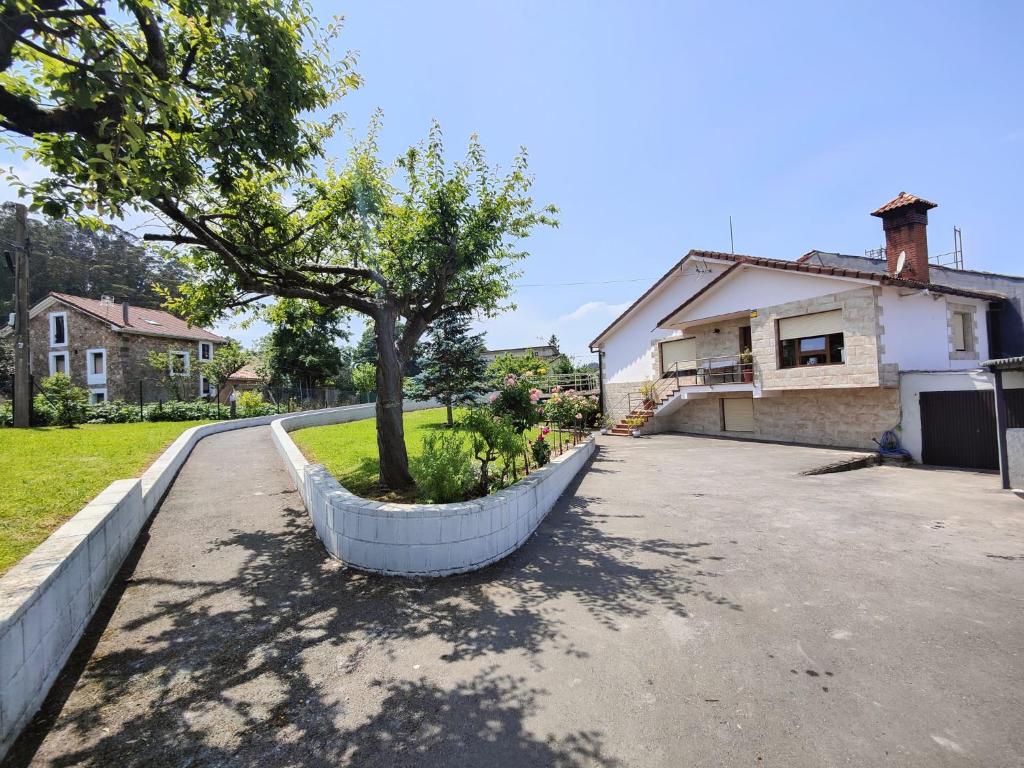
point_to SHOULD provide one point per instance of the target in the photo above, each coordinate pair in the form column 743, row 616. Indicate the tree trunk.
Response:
column 394, row 459
column 450, row 420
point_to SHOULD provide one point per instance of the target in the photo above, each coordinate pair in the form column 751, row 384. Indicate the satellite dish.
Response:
column 901, row 262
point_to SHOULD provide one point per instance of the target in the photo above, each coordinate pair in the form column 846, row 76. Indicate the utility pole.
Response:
column 22, row 350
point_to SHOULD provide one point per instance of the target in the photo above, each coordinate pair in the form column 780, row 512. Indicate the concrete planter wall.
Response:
column 422, row 539
column 48, row 598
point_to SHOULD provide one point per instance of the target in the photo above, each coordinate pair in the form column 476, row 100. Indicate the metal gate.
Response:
column 958, row 429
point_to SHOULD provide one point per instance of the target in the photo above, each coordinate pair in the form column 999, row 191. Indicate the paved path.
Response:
column 693, row 602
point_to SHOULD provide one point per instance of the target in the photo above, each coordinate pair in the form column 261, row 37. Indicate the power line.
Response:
column 597, row 282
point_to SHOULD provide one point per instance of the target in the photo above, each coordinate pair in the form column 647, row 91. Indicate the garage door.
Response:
column 958, row 429
column 738, row 414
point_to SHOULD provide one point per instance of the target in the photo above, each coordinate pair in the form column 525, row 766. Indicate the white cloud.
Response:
column 593, row 308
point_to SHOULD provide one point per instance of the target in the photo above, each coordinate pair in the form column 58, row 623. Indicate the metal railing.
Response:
column 706, row 371
column 581, row 382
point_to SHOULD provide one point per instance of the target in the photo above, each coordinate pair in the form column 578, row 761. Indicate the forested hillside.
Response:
column 72, row 260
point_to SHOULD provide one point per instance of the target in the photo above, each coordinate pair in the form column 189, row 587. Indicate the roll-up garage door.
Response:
column 739, row 414
column 681, row 351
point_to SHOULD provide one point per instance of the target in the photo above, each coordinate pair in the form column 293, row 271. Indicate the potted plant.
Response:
column 648, row 391
column 747, row 365
column 605, row 423
column 634, row 425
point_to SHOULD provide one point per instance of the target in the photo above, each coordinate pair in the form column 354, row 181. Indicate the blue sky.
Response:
column 649, row 124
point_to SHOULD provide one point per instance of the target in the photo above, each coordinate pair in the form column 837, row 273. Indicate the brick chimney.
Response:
column 905, row 222
column 124, row 312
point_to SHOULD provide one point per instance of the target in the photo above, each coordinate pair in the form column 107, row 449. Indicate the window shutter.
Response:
column 818, row 324
column 958, row 331
column 681, row 351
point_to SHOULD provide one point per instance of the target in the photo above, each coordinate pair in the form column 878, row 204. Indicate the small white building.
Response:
column 811, row 351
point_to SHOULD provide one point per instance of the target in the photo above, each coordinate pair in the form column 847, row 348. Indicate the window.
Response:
column 58, row 329
column 58, row 362
column 96, row 366
column 204, row 387
column 178, row 364
column 205, row 350
column 811, row 350
column 963, row 332
column 97, row 396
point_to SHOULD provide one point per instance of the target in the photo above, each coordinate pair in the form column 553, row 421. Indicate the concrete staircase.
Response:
column 644, row 412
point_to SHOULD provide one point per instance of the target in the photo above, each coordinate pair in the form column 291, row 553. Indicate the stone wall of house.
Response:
column 615, row 403
column 127, row 356
column 850, row 418
column 725, row 343
column 861, row 331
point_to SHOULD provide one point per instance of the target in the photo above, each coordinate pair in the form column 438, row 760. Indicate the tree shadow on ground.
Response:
column 257, row 669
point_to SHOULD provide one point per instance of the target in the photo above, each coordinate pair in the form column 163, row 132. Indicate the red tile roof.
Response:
column 901, row 201
column 140, row 319
column 246, row 373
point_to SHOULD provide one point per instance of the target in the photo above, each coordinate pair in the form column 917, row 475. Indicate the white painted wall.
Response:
column 914, row 383
column 752, row 287
column 628, row 356
column 916, row 330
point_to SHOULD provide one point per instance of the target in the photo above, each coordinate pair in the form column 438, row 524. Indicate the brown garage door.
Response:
column 958, row 429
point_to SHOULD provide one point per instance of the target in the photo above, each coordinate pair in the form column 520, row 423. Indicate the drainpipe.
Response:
column 600, row 378
column 1004, row 467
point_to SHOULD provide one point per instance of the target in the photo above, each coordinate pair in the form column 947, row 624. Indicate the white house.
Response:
column 807, row 351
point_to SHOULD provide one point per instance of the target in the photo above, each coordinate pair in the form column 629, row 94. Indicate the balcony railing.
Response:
column 706, row 371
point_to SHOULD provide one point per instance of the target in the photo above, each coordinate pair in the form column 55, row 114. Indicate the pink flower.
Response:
column 579, row 415
column 494, row 396
column 534, row 395
column 593, row 398
column 510, row 380
column 556, row 389
column 545, row 431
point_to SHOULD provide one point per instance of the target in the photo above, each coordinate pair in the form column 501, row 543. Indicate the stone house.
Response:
column 104, row 347
column 811, row 351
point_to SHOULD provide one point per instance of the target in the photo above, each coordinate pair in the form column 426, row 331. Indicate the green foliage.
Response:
column 302, row 349
column 251, row 403
column 519, row 365
column 6, row 414
column 164, row 99
column 87, row 262
column 491, row 438
column 65, row 403
column 453, row 366
column 227, row 360
column 114, row 412
column 364, row 377
column 365, row 351
column 516, row 403
column 7, row 366
column 169, row 369
column 442, row 470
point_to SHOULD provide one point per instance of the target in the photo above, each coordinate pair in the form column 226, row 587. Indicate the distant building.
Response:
column 104, row 346
column 544, row 352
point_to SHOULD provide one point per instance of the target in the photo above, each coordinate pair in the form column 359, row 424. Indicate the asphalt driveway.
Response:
column 690, row 602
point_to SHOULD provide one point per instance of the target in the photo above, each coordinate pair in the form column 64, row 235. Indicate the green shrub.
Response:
column 113, row 412
column 541, row 450
column 251, row 403
column 6, row 414
column 443, row 471
column 64, row 402
column 179, row 410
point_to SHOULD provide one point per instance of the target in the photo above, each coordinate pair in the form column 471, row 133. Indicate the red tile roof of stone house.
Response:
column 154, row 322
column 246, row 373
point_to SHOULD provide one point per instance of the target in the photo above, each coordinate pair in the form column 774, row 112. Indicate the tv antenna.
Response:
column 732, row 244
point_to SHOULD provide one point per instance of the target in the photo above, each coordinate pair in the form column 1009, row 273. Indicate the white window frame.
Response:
column 188, row 363
column 97, row 391
column 53, row 362
column 205, row 345
column 95, row 378
column 205, row 382
column 53, row 328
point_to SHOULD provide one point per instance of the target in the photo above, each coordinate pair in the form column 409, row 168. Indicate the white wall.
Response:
column 752, row 287
column 628, row 356
column 916, row 330
column 913, row 384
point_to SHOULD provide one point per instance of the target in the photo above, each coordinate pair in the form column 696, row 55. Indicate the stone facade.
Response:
column 126, row 356
column 861, row 331
column 970, row 333
column 848, row 418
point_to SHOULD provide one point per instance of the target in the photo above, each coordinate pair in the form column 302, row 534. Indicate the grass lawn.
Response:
column 349, row 451
column 48, row 474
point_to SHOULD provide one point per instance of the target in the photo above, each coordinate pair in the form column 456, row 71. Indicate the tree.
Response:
column 445, row 240
column 364, row 377
column 65, row 399
column 302, row 348
column 366, row 350
column 162, row 100
column 6, row 365
column 553, row 342
column 202, row 117
column 170, row 371
column 453, row 365
column 227, row 360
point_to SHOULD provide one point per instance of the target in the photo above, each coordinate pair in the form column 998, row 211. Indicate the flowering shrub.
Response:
column 516, row 402
column 540, row 449
column 570, row 410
